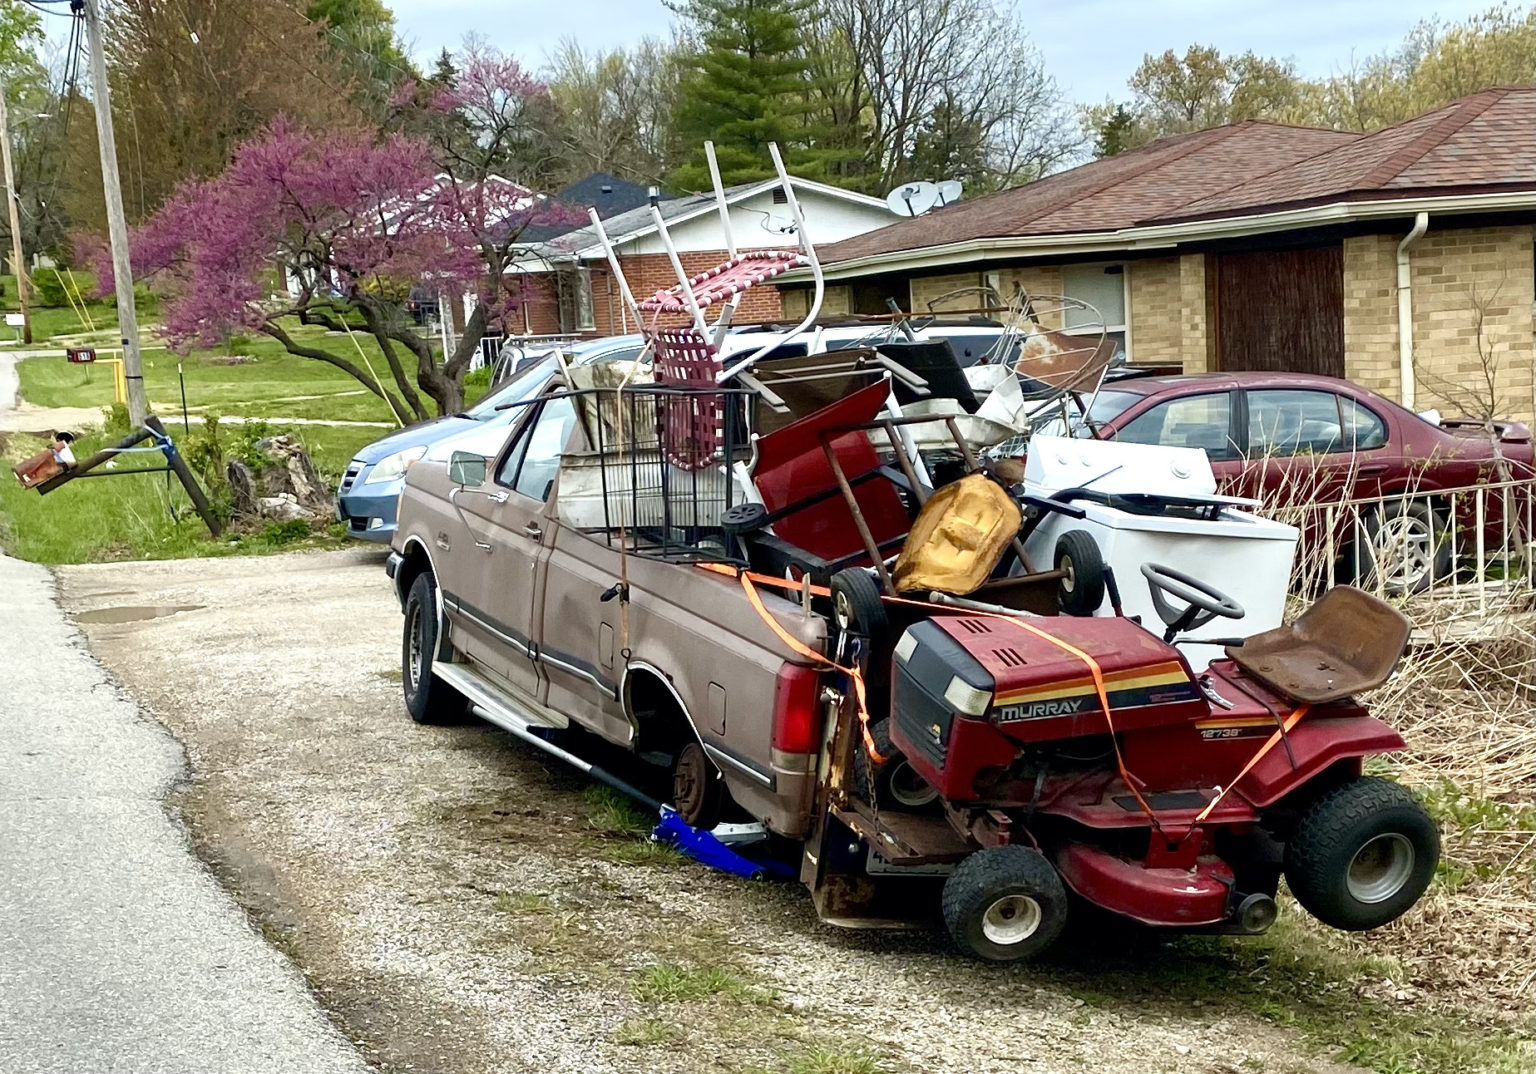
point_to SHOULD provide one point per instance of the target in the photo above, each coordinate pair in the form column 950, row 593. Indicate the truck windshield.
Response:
column 524, row 385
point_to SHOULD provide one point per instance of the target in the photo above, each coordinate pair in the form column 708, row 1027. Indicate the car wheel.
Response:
column 1081, row 591
column 1362, row 854
column 1405, row 549
column 427, row 698
column 1005, row 904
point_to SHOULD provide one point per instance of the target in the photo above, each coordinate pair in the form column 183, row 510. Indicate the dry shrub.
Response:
column 1463, row 699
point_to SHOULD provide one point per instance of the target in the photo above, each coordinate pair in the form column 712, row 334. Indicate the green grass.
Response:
column 272, row 384
column 613, row 813
column 668, row 982
column 522, row 902
column 645, row 1031
column 822, row 1060
column 1292, row 978
column 131, row 517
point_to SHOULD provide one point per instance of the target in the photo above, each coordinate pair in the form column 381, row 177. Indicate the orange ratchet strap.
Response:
column 749, row 583
column 1285, row 728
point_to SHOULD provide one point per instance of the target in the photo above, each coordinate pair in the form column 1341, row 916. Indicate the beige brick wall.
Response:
column 1156, row 319
column 1474, row 342
column 1370, row 313
column 925, row 289
column 1197, row 336
column 1460, row 276
column 835, row 301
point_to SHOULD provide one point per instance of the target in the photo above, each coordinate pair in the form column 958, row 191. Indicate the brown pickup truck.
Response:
column 519, row 615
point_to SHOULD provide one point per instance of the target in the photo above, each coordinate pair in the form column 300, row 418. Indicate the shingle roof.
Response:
column 1484, row 140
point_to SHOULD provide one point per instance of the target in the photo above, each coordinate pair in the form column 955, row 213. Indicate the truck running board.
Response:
column 496, row 705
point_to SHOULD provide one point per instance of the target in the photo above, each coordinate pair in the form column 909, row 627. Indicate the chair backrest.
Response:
column 792, row 468
column 690, row 423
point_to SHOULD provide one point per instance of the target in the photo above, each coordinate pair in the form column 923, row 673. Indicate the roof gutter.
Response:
column 1405, row 310
column 1163, row 236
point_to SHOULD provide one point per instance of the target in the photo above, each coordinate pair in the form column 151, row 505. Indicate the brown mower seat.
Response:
column 1346, row 643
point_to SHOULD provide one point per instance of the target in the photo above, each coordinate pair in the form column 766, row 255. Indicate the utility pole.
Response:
column 117, row 227
column 17, row 262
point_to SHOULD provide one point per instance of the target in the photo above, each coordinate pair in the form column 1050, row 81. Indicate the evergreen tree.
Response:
column 746, row 84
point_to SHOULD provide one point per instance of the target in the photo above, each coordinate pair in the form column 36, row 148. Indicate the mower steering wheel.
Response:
column 1202, row 602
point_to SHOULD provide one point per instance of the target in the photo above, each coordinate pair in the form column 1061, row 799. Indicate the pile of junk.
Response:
column 1057, row 669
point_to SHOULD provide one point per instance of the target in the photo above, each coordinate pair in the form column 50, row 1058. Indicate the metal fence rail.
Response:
column 1476, row 542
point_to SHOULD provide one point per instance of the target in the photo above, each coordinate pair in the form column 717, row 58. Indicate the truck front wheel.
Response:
column 1005, row 904
column 1362, row 854
column 427, row 699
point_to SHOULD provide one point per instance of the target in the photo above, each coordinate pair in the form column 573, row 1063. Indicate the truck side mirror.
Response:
column 466, row 469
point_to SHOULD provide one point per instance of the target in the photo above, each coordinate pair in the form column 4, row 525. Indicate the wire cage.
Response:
column 657, row 474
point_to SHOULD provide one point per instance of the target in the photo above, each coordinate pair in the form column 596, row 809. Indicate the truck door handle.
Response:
column 1373, row 468
column 533, row 530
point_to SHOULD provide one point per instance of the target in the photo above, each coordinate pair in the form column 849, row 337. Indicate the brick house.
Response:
column 566, row 286
column 1400, row 259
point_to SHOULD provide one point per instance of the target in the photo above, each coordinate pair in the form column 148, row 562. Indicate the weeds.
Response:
column 836, row 1061
column 612, row 813
column 522, row 902
column 667, row 982
column 645, row 1031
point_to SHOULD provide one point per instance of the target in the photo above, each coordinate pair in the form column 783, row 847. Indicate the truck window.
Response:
column 531, row 466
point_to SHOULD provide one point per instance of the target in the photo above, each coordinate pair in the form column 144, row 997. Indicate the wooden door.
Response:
column 1281, row 311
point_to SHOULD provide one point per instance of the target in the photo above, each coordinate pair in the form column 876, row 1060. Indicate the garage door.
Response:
column 1281, row 311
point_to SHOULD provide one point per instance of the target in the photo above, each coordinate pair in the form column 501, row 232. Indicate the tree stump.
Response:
column 282, row 486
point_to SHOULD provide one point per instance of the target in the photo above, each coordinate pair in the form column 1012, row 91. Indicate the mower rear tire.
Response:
column 893, row 782
column 1005, row 904
column 1081, row 592
column 1362, row 854
column 427, row 698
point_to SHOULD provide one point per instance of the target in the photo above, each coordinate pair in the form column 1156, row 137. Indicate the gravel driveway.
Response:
column 461, row 904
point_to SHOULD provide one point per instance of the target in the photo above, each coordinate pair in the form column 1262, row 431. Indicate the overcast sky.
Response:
column 1091, row 46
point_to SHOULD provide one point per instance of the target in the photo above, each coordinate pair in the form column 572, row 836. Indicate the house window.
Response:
column 575, row 285
column 1104, row 288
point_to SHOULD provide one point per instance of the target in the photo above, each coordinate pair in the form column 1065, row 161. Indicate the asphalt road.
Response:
column 118, row 950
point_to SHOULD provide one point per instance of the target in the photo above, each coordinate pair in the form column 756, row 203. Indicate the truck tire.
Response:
column 1005, row 904
column 1081, row 592
column 1406, row 549
column 1362, row 854
column 698, row 792
column 856, row 605
column 427, row 698
column 893, row 782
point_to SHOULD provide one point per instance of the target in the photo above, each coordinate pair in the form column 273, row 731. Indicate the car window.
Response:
column 1194, row 421
column 1363, row 427
column 534, row 461
column 1285, row 422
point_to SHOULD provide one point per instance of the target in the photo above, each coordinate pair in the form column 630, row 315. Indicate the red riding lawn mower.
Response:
column 1045, row 756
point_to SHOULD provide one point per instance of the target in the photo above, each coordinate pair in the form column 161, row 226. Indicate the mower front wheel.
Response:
column 1362, row 854
column 1005, row 904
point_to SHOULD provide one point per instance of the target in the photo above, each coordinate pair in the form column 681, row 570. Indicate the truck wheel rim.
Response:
column 688, row 782
column 1010, row 920
column 1403, row 549
column 1381, row 868
column 413, row 669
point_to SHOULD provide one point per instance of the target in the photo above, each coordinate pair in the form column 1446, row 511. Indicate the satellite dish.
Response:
column 950, row 191
column 912, row 199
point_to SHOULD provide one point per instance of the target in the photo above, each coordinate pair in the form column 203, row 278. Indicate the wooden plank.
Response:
column 1281, row 311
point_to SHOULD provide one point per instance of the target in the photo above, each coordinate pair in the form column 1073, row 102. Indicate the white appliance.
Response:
column 1172, row 517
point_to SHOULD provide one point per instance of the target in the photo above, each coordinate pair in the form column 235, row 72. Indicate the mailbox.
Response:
column 80, row 354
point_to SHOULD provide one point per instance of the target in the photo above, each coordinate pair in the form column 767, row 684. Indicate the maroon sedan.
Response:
column 1294, row 439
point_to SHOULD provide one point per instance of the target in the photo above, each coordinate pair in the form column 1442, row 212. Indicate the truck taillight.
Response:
column 796, row 712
